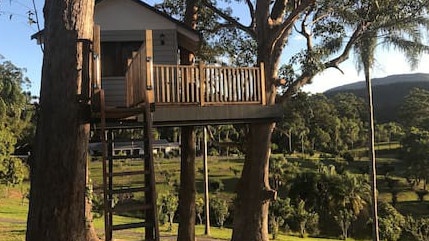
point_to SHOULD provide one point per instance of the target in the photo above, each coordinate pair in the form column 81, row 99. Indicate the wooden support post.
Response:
column 206, row 185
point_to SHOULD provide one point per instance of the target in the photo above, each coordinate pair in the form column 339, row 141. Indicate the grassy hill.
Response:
column 388, row 93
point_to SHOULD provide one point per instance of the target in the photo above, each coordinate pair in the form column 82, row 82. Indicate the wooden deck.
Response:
column 193, row 95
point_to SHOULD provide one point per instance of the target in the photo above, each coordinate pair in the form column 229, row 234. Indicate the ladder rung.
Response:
column 128, row 190
column 130, row 225
column 129, row 173
column 132, row 207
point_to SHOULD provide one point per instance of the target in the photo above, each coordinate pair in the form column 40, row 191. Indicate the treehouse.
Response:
column 132, row 78
column 140, row 49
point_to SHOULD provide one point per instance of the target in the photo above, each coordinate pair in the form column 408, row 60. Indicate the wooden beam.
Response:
column 96, row 48
column 149, row 90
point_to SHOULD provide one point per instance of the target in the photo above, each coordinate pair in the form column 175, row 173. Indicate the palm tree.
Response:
column 383, row 28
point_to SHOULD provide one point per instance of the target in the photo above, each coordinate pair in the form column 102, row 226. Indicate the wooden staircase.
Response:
column 127, row 191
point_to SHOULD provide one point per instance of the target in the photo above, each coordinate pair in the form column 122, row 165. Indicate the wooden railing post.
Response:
column 264, row 92
column 150, row 97
column 96, row 48
column 202, row 83
column 129, row 84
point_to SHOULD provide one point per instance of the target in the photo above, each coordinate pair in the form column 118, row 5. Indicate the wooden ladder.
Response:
column 127, row 191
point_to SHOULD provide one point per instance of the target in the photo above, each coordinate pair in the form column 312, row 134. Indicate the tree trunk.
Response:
column 373, row 166
column 253, row 190
column 187, row 189
column 58, row 173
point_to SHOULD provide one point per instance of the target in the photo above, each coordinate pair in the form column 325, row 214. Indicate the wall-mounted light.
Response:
column 162, row 38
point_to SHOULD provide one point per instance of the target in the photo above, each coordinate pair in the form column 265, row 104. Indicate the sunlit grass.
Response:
column 12, row 209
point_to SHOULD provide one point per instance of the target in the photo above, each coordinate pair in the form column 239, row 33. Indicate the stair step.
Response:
column 130, row 225
column 128, row 173
column 132, row 207
column 128, row 190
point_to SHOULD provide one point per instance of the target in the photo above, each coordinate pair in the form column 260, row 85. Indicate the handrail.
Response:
column 208, row 85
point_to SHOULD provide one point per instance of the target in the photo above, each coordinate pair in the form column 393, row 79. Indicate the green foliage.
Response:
column 339, row 196
column 167, row 206
column 15, row 117
column 415, row 150
column 280, row 210
column 12, row 171
column 419, row 228
column 199, row 209
column 314, row 122
column 216, row 185
column 414, row 111
column 281, row 171
column 306, row 221
column 219, row 209
column 390, row 222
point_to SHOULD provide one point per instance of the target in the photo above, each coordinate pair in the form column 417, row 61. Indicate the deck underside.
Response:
column 199, row 115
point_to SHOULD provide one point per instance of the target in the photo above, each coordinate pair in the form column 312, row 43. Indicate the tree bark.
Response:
column 58, row 173
column 187, row 189
column 253, row 190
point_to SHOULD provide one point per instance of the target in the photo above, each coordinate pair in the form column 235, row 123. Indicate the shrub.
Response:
column 216, row 185
column 418, row 228
column 167, row 208
column 390, row 222
column 220, row 210
column 213, row 152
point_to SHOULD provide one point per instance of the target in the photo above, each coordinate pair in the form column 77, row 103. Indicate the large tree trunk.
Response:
column 58, row 177
column 253, row 190
column 187, row 189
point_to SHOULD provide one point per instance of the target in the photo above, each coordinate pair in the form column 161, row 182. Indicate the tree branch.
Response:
column 286, row 28
column 293, row 16
column 226, row 17
column 345, row 54
column 307, row 76
column 252, row 13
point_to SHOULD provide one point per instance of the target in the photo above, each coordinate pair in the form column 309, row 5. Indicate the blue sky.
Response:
column 15, row 43
column 16, row 46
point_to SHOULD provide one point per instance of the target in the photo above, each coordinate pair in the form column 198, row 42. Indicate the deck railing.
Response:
column 208, row 85
column 198, row 85
column 138, row 78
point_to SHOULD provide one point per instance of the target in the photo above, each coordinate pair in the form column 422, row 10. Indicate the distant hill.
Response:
column 388, row 93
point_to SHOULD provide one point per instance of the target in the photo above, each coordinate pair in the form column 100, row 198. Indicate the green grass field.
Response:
column 13, row 208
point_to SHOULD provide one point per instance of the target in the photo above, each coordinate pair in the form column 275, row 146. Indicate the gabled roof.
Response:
column 187, row 34
column 179, row 23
